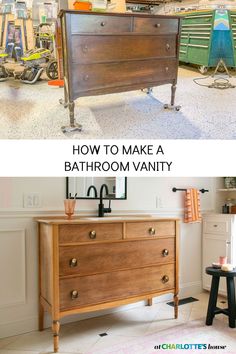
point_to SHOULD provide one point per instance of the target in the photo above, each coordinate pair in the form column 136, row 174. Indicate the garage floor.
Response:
column 33, row 111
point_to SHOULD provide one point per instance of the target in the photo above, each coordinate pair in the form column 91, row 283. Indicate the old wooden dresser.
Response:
column 107, row 53
column 97, row 263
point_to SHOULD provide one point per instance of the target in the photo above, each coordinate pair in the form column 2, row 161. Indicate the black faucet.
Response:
column 95, row 191
column 101, row 209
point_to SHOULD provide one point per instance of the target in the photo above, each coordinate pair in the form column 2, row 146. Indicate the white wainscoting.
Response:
column 12, row 266
column 18, row 240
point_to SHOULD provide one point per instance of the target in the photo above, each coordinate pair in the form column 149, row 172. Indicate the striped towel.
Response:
column 192, row 212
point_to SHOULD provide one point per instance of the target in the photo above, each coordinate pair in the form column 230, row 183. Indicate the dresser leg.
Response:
column 172, row 105
column 149, row 302
column 55, row 330
column 176, row 305
column 41, row 317
column 73, row 127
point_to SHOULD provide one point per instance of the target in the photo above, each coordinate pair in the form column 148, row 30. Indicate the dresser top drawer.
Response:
column 99, row 24
column 156, row 25
column 150, row 229
column 90, row 232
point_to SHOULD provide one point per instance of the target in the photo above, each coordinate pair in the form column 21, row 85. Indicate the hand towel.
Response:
column 192, row 212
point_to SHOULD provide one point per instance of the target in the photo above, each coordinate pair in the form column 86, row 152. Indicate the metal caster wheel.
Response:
column 148, row 90
column 71, row 128
column 173, row 108
column 203, row 69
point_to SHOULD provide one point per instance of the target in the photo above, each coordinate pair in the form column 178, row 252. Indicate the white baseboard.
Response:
column 31, row 324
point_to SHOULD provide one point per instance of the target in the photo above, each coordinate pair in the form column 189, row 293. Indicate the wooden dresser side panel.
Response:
column 46, row 262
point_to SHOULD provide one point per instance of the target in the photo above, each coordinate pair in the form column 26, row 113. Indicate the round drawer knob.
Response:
column 165, row 253
column 167, row 69
column 167, row 46
column 165, row 279
column 215, row 225
column 85, row 49
column 157, row 25
column 73, row 263
column 86, row 77
column 74, row 294
column 103, row 24
column 152, row 231
column 92, row 234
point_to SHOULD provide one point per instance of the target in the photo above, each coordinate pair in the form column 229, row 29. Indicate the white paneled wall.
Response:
column 18, row 236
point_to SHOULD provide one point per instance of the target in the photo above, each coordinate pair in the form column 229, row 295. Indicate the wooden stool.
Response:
column 212, row 308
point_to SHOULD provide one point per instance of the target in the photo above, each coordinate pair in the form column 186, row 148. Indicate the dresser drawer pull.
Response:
column 215, row 225
column 152, row 231
column 165, row 253
column 92, row 235
column 165, row 279
column 157, row 25
column 167, row 46
column 85, row 49
column 73, row 263
column 74, row 294
column 86, row 77
column 103, row 24
column 167, row 69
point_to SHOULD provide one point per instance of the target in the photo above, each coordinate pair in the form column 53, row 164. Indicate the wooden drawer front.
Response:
column 85, row 232
column 99, row 288
column 150, row 229
column 90, row 259
column 88, row 49
column 156, row 25
column 111, row 75
column 99, row 24
column 216, row 227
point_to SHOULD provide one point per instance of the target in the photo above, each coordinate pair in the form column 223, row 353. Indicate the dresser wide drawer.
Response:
column 100, row 258
column 216, row 227
column 155, row 25
column 99, row 288
column 90, row 232
column 111, row 75
column 150, row 229
column 88, row 49
column 83, row 23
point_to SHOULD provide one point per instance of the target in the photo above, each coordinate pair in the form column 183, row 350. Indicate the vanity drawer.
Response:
column 216, row 227
column 150, row 229
column 99, row 24
column 87, row 49
column 90, row 232
column 94, row 289
column 156, row 25
column 88, row 77
column 94, row 258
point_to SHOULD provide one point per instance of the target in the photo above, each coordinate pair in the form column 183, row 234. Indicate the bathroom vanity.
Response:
column 89, row 264
column 108, row 53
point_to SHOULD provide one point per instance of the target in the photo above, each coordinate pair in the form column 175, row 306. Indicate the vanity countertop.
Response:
column 95, row 219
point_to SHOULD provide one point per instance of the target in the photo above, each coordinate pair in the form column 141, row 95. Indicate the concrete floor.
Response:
column 33, row 111
column 129, row 328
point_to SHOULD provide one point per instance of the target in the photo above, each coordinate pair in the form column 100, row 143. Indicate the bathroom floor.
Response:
column 34, row 112
column 135, row 331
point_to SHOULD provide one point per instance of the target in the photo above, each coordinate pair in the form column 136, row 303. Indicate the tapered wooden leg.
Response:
column 176, row 305
column 212, row 300
column 231, row 301
column 55, row 330
column 149, row 302
column 41, row 317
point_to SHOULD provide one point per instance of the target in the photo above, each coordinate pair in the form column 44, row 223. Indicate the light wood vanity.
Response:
column 89, row 264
